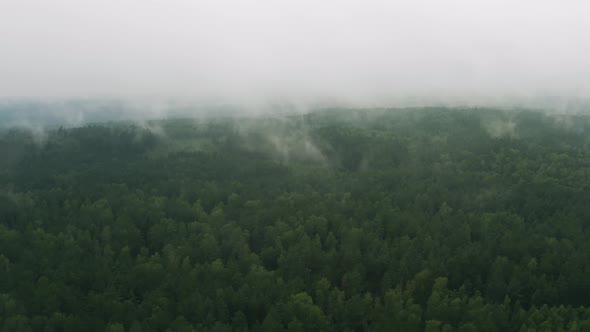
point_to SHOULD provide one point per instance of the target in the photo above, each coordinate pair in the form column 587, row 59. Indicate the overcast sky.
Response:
column 349, row 50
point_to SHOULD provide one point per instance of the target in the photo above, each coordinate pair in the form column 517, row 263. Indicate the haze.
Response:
column 299, row 50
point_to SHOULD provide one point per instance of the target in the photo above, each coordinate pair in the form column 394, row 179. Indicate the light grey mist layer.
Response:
column 300, row 50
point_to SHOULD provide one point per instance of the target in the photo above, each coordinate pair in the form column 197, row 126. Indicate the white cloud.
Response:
column 244, row 50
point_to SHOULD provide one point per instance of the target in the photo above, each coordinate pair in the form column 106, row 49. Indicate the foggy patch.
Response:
column 501, row 128
column 359, row 53
column 284, row 139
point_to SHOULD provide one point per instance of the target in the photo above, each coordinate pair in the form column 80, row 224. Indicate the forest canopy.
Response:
column 428, row 219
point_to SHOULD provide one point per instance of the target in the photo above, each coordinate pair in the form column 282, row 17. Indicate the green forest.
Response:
column 422, row 219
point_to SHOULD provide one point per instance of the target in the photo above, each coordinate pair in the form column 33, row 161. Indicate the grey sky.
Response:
column 345, row 50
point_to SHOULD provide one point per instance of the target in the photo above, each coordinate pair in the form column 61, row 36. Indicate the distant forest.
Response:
column 429, row 219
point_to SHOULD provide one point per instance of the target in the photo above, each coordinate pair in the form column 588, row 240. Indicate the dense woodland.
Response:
column 339, row 220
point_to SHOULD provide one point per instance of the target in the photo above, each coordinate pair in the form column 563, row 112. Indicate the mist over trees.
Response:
column 341, row 220
column 238, row 166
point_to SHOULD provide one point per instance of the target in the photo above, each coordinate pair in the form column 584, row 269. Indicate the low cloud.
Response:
column 255, row 53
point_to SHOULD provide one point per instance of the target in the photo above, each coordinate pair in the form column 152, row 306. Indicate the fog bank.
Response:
column 325, row 52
